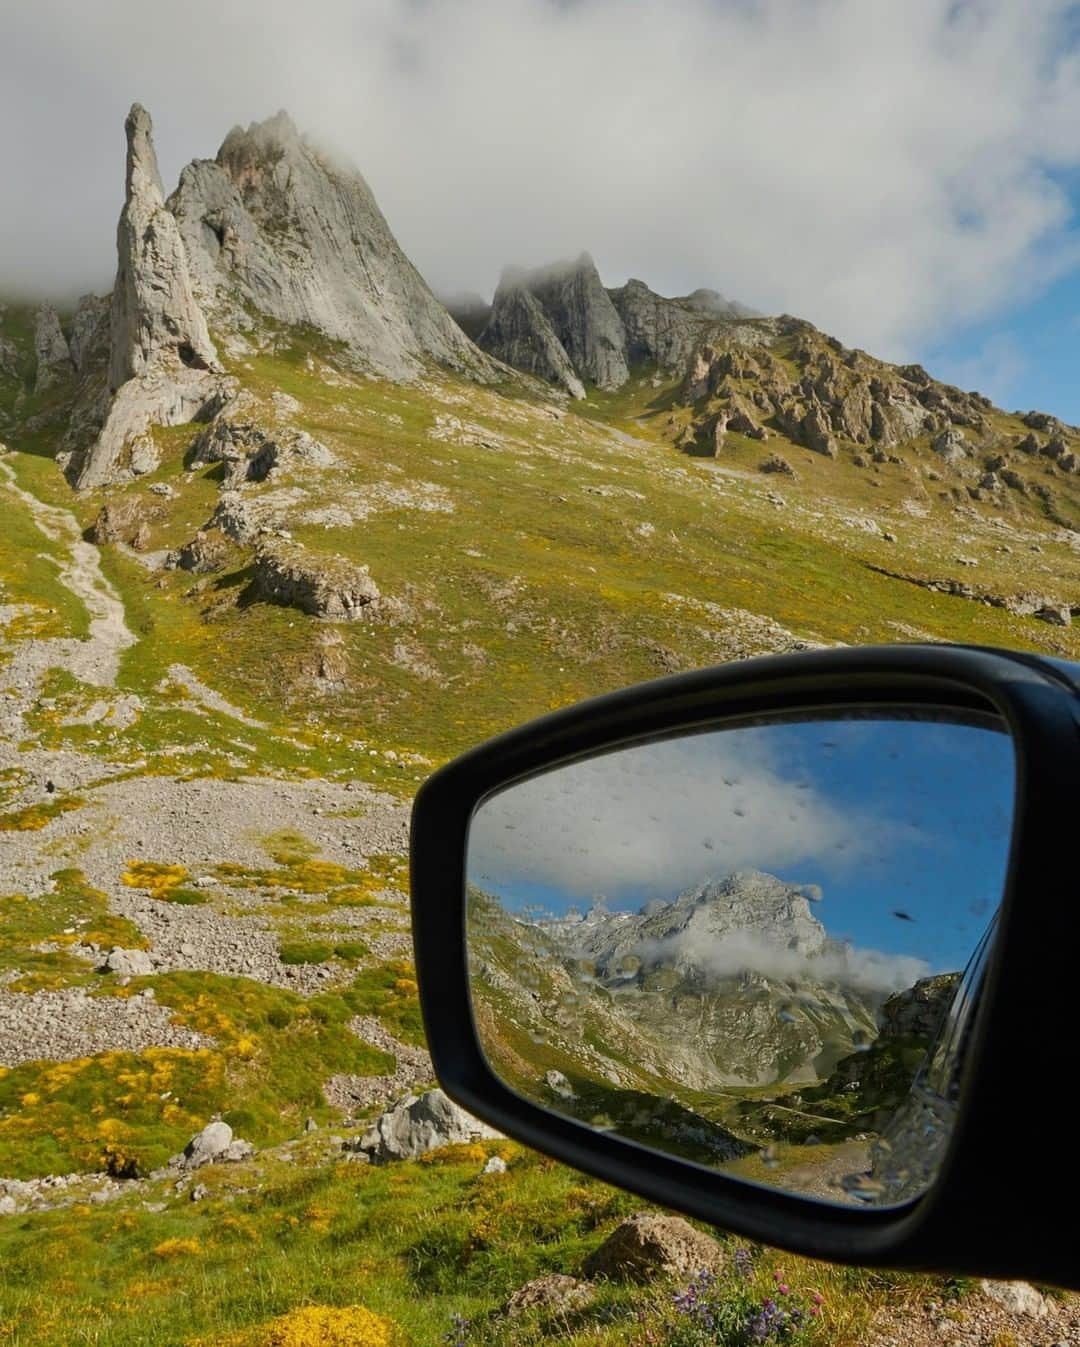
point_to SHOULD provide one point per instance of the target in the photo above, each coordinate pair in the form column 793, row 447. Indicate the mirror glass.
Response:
column 756, row 947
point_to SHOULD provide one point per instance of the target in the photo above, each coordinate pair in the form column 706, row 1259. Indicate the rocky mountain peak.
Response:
column 155, row 318
column 273, row 225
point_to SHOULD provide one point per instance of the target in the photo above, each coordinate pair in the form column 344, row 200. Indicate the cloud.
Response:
column 651, row 820
column 736, row 952
column 889, row 171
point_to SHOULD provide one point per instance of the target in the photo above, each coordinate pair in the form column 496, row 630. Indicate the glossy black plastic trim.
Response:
column 995, row 1206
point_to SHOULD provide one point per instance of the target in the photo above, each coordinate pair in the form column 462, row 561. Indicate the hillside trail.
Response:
column 95, row 660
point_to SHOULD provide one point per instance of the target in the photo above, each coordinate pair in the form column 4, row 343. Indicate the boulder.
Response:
column 130, row 963
column 1018, row 1298
column 124, row 519
column 777, row 463
column 652, row 1245
column 205, row 1146
column 553, row 1293
column 494, row 1164
column 950, row 446
column 557, row 1082
column 206, row 553
column 326, row 587
column 419, row 1124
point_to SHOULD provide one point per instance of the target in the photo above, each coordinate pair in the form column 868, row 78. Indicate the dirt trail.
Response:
column 96, row 660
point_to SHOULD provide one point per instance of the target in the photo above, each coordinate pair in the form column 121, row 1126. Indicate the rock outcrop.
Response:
column 785, row 373
column 54, row 361
column 155, row 320
column 553, row 1293
column 518, row 331
column 275, row 225
column 571, row 333
column 419, row 1124
column 665, row 331
column 251, row 451
column 163, row 368
column 326, row 587
column 88, row 336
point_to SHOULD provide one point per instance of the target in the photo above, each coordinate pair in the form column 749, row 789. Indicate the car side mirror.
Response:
column 769, row 944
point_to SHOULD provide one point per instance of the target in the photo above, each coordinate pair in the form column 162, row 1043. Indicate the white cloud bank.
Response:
column 649, row 821
column 887, row 170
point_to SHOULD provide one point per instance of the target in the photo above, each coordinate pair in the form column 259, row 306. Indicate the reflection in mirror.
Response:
column 757, row 947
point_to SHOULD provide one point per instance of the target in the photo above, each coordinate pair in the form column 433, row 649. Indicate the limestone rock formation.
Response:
column 665, row 331
column 276, row 225
column 155, row 320
column 420, row 1124
column 251, row 451
column 88, row 337
column 518, row 331
column 124, row 519
column 584, row 319
column 51, row 349
column 326, row 587
column 163, row 368
column 653, row 1245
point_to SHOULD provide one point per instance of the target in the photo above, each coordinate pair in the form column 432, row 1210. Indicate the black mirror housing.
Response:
column 979, row 1217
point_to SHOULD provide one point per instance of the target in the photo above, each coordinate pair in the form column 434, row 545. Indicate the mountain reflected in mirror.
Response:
column 748, row 947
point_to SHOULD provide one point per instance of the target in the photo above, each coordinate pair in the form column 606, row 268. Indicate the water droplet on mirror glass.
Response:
column 786, row 1013
column 861, row 1041
column 862, row 1187
column 538, row 1038
column 770, row 1157
column 603, row 1122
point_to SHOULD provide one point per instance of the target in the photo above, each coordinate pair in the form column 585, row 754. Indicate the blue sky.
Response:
column 884, row 816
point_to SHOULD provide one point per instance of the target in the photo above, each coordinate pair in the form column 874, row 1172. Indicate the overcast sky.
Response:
column 899, row 173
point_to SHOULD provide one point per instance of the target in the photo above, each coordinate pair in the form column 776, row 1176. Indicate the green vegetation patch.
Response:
column 73, row 913
column 272, row 1051
column 37, row 816
column 319, row 951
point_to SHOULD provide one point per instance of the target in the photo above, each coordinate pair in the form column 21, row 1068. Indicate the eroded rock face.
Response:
column 518, row 332
column 665, row 331
column 88, row 338
column 650, row 1245
column 326, row 587
column 584, row 319
column 51, row 349
column 155, row 320
column 300, row 238
column 205, row 554
column 420, row 1124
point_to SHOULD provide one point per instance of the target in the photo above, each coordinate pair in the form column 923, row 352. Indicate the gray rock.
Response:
column 207, row 1145
column 584, row 319
column 778, row 464
column 205, row 554
column 495, row 1164
column 519, row 333
column 51, row 349
column 1017, row 1298
column 950, row 445
column 554, row 1293
column 199, row 1192
column 251, row 451
column 129, row 962
column 556, row 1081
column 650, row 1245
column 296, row 234
column 326, row 587
column 665, row 331
column 155, row 320
column 123, row 519
column 420, row 1124
column 88, row 337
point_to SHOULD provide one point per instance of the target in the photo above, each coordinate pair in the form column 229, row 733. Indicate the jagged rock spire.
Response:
column 51, row 348
column 156, row 322
column 518, row 331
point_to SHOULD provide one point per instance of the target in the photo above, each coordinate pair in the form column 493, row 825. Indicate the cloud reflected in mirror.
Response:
column 745, row 946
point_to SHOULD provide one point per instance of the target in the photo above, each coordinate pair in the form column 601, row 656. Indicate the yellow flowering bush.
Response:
column 177, row 1248
column 318, row 1326
column 153, row 878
